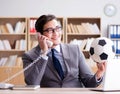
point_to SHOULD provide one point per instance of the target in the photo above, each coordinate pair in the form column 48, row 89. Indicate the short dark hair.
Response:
column 42, row 20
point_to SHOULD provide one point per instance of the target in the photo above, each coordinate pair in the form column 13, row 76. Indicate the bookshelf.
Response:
column 13, row 43
column 114, row 35
column 28, row 34
column 32, row 40
column 82, row 29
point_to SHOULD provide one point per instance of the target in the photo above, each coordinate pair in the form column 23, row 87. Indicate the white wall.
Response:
column 62, row 8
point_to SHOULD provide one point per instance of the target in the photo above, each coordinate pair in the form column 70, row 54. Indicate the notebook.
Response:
column 111, row 80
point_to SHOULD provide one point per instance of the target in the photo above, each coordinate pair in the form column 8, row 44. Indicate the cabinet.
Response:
column 81, row 29
column 114, row 35
column 32, row 38
column 13, row 43
column 7, row 72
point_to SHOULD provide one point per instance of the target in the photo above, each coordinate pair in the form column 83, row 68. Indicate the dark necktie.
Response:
column 57, row 65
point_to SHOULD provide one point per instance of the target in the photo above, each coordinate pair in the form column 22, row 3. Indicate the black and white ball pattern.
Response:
column 102, row 49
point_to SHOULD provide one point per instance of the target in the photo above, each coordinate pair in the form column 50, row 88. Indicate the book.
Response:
column 86, row 31
column 68, row 28
column 23, row 25
column 81, row 29
column 18, row 27
column 72, row 28
column 1, row 45
column 96, row 29
column 10, row 28
column 3, row 60
column 17, row 45
column 88, row 44
column 22, row 44
column 83, row 44
column 75, row 28
column 26, row 87
column 3, row 29
column 32, row 25
column 19, row 62
column 6, row 44
column 11, row 61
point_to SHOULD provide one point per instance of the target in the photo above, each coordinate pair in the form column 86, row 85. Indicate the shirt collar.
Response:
column 57, row 48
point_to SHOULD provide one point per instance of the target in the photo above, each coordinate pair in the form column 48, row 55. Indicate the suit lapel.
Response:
column 66, row 57
column 50, row 65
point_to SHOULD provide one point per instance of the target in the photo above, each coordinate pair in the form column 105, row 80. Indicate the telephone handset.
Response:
column 49, row 43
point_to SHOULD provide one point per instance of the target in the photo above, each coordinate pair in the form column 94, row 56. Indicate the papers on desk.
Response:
column 26, row 87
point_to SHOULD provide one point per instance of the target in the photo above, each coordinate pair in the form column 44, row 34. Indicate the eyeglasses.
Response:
column 52, row 30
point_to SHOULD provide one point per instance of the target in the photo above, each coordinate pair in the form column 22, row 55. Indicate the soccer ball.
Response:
column 102, row 49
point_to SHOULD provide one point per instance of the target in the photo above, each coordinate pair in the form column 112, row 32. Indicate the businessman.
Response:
column 59, row 65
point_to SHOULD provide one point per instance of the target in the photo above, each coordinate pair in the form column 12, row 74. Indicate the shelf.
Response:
column 7, row 53
column 81, row 37
column 78, row 28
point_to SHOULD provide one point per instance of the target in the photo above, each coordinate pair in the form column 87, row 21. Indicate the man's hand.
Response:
column 101, row 69
column 42, row 42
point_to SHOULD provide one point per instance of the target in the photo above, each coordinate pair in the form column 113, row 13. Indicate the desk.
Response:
column 56, row 91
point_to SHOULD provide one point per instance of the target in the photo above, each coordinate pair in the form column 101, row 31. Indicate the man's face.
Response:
column 53, row 31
